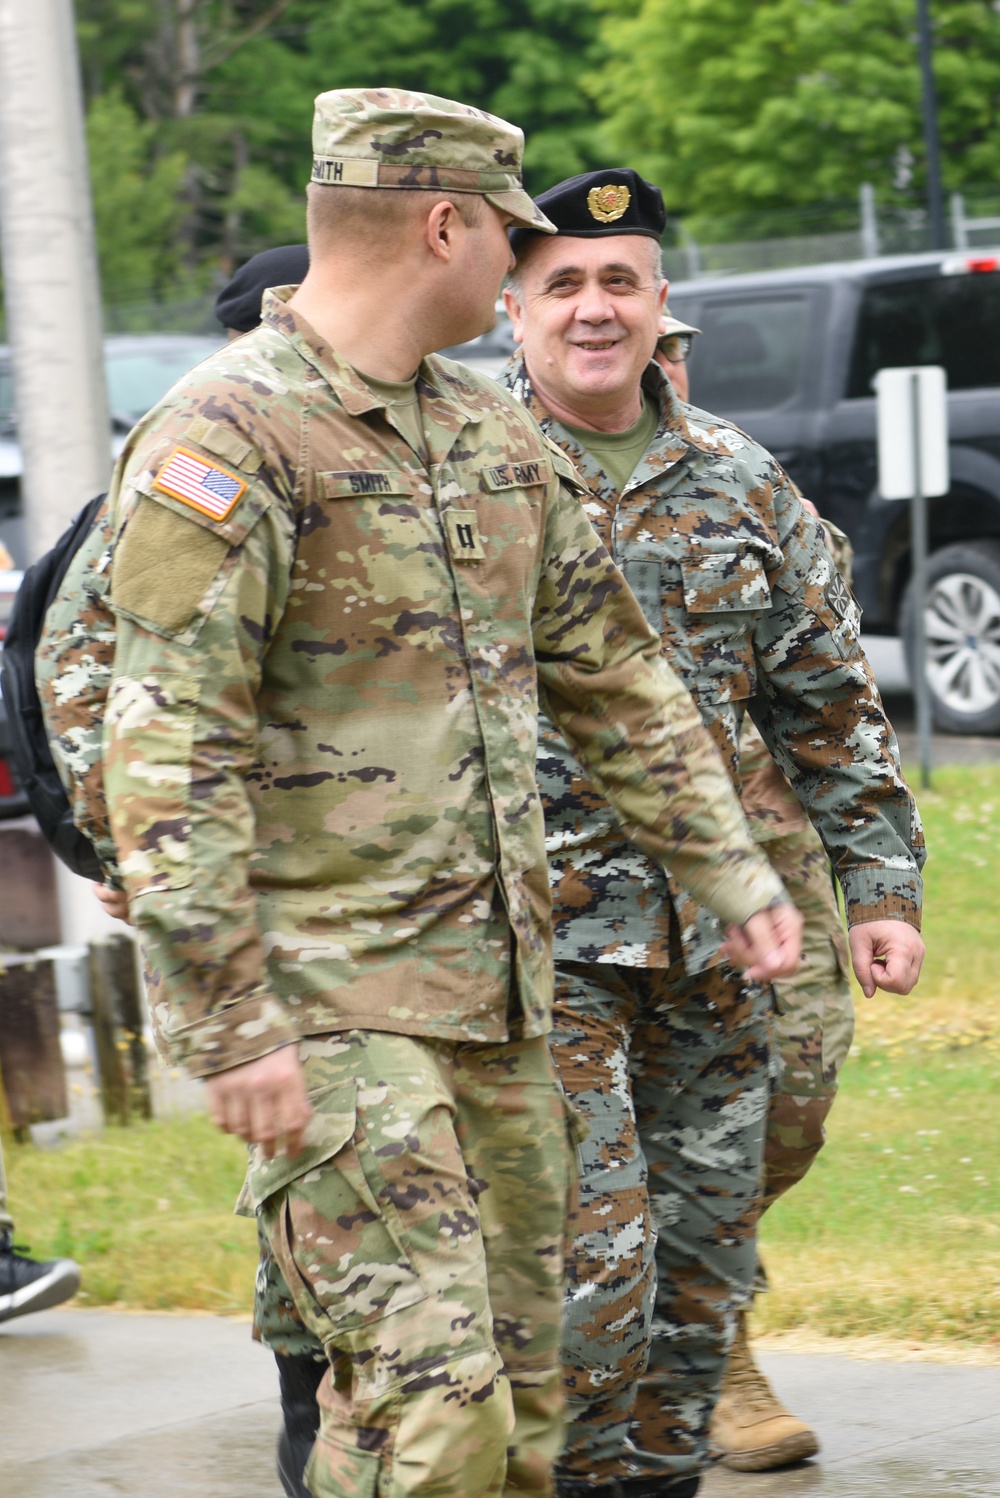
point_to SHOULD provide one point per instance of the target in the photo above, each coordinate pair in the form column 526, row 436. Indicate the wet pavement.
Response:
column 100, row 1403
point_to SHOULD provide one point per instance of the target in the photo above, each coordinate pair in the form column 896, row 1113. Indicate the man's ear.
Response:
column 514, row 312
column 662, row 302
column 441, row 228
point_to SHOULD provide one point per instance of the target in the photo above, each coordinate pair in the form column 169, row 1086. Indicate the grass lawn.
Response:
column 895, row 1233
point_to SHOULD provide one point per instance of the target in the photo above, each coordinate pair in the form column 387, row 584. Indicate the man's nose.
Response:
column 593, row 305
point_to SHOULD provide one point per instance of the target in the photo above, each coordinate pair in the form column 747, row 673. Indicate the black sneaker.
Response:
column 28, row 1286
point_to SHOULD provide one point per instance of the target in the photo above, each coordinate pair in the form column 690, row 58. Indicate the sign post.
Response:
column 912, row 410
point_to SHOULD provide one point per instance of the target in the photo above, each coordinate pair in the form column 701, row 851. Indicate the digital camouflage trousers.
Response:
column 670, row 1073
column 814, row 1020
column 419, row 1237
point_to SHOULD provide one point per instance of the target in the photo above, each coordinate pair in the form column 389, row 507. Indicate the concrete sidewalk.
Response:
column 97, row 1403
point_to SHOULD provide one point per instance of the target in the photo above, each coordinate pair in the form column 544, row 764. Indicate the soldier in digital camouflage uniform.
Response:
column 338, row 598
column 813, row 1025
column 659, row 1043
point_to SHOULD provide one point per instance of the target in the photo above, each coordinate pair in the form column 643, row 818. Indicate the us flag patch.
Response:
column 202, row 485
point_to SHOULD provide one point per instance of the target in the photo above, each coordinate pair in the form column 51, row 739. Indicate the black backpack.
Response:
column 29, row 743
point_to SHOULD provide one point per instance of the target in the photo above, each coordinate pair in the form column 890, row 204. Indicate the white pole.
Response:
column 51, row 286
column 52, row 296
column 918, row 542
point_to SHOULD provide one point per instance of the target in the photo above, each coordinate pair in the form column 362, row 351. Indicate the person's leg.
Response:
column 514, row 1130
column 301, row 1363
column 700, row 1062
column 25, row 1284
column 379, row 1241
column 609, row 1259
column 6, row 1221
column 814, row 1025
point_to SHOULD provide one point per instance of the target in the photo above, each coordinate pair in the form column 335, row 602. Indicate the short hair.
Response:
column 515, row 280
column 337, row 217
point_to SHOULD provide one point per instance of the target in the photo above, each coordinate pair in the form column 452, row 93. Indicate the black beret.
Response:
column 238, row 304
column 614, row 201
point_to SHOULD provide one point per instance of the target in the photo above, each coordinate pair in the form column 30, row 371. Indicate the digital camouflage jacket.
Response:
column 734, row 575
column 320, row 735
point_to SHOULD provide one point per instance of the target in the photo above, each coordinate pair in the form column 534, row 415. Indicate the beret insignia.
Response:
column 608, row 203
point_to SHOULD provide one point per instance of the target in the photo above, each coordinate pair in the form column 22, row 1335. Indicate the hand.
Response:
column 263, row 1101
column 768, row 945
column 113, row 901
column 886, row 954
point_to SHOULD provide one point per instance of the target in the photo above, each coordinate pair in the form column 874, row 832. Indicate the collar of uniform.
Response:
column 354, row 394
column 672, row 439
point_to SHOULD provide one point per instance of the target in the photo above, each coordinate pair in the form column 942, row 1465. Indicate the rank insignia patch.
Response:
column 839, row 596
column 202, row 485
column 608, row 203
column 463, row 536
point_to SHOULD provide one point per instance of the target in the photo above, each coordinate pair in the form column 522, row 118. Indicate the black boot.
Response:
column 298, row 1378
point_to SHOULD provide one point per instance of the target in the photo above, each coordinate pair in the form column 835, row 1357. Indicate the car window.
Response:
column 948, row 320
column 137, row 378
column 750, row 353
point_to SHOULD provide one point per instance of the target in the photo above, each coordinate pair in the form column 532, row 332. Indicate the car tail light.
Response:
column 964, row 265
column 7, row 787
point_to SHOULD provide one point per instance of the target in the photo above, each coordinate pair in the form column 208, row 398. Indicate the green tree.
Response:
column 754, row 104
column 225, row 88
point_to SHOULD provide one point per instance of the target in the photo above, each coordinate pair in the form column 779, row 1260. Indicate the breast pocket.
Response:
column 723, row 594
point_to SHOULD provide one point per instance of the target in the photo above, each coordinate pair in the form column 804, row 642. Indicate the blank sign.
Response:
column 899, row 408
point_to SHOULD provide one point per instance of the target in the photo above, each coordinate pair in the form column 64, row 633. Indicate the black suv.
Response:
column 790, row 355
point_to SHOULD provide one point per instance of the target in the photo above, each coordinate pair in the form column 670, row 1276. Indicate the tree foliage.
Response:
column 743, row 104
column 209, row 104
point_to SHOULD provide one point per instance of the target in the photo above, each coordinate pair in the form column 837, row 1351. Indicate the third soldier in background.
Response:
column 814, row 1024
column 661, row 1044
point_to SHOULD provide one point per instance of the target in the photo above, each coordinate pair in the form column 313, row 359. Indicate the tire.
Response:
column 962, row 620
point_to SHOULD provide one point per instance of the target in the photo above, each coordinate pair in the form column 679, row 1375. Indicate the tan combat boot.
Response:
column 751, row 1427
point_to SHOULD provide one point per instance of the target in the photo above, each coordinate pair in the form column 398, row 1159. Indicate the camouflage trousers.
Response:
column 6, row 1221
column 814, row 1019
column 419, row 1238
column 670, row 1073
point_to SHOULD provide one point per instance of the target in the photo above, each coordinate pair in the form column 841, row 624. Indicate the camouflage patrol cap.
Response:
column 392, row 137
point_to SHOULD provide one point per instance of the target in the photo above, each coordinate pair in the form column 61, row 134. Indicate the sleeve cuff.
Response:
column 230, row 1037
column 879, row 893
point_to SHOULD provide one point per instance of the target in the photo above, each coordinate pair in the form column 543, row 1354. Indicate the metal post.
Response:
column 869, row 222
column 959, row 230
column 53, row 301
column 932, row 144
column 918, row 546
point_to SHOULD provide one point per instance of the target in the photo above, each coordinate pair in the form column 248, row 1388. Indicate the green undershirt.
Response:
column 400, row 397
column 619, row 452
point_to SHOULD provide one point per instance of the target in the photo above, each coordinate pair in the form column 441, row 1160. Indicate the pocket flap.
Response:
column 722, row 581
column 332, row 1125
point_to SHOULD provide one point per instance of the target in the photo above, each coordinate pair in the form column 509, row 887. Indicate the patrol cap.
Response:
column 671, row 325
column 238, row 304
column 614, row 201
column 392, row 137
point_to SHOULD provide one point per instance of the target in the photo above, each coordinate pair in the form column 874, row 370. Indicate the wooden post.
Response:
column 30, row 1054
column 118, row 1029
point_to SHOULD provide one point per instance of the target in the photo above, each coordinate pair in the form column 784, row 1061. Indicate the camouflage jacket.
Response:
column 320, row 735
column 734, row 575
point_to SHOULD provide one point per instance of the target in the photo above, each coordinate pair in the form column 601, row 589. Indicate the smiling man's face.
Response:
column 587, row 314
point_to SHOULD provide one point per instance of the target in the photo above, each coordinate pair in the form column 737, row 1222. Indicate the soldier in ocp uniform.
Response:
column 342, row 574
column 659, row 1040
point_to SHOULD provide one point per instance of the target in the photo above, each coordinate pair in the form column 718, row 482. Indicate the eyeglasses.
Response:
column 675, row 347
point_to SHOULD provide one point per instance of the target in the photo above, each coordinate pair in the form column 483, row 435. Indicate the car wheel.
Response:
column 962, row 620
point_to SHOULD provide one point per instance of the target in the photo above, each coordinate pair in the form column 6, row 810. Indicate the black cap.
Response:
column 238, row 304
column 614, row 201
